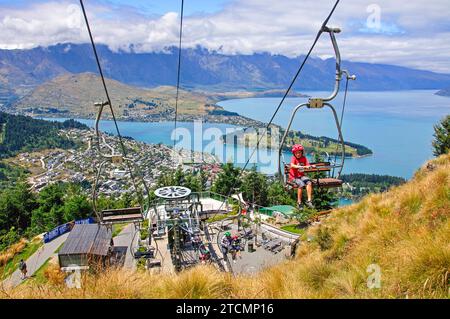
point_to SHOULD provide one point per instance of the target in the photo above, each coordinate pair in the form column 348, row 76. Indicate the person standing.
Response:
column 225, row 244
column 23, row 269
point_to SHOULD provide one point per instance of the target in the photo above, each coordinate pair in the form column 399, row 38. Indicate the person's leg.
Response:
column 299, row 194
column 309, row 191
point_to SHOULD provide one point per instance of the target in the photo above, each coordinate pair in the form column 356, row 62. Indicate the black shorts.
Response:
column 302, row 181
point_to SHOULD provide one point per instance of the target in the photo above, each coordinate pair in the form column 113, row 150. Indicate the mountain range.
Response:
column 22, row 70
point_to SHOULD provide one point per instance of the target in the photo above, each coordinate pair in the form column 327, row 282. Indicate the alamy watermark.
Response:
column 73, row 280
column 256, row 145
column 374, row 19
column 374, row 279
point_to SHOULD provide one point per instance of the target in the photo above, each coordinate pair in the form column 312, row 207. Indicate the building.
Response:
column 88, row 245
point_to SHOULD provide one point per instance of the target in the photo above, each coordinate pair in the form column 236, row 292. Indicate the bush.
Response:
column 13, row 250
column 54, row 275
column 324, row 238
column 144, row 230
column 441, row 143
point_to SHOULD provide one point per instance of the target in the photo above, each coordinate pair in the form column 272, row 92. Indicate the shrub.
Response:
column 54, row 275
column 324, row 238
column 13, row 250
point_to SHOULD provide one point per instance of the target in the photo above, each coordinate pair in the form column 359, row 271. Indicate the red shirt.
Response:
column 295, row 172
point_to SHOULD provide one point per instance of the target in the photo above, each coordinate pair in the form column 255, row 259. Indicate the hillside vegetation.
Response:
column 24, row 134
column 75, row 95
column 404, row 231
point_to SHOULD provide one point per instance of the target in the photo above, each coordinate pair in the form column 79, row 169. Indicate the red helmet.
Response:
column 296, row 148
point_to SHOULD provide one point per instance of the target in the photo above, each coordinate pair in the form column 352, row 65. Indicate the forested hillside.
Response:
column 25, row 134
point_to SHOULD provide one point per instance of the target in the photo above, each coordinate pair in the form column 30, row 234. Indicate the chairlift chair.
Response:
column 122, row 215
column 330, row 181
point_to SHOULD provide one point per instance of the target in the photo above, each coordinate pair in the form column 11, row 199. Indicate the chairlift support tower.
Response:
column 180, row 218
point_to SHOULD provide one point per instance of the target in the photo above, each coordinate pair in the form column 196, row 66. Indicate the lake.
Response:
column 397, row 126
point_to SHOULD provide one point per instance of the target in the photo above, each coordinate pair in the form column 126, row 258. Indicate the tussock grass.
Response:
column 405, row 232
column 13, row 250
column 9, row 258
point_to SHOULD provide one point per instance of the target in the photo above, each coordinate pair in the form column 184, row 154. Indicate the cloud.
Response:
column 414, row 35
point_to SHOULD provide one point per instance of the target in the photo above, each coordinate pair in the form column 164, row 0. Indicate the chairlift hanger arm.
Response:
column 341, row 138
column 339, row 72
column 283, row 139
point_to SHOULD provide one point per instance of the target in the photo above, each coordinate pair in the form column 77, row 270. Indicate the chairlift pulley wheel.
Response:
column 172, row 192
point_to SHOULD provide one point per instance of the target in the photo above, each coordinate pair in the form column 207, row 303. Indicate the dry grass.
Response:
column 405, row 232
column 13, row 250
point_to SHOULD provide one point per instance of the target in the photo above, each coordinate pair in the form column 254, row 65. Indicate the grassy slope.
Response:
column 405, row 231
column 11, row 266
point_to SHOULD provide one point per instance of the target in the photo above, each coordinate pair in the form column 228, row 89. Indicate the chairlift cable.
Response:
column 124, row 152
column 178, row 69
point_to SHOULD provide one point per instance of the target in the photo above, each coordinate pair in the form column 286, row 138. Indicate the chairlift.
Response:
column 331, row 181
column 122, row 215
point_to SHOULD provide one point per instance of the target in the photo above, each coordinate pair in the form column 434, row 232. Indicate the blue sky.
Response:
column 413, row 34
column 163, row 6
column 147, row 6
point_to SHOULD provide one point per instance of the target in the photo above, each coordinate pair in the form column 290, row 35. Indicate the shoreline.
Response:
column 133, row 120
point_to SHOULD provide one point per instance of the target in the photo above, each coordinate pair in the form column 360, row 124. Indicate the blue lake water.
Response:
column 397, row 126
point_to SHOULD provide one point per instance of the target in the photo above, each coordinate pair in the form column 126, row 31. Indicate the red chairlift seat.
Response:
column 325, row 182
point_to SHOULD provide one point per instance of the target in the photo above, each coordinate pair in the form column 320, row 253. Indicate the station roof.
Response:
column 92, row 239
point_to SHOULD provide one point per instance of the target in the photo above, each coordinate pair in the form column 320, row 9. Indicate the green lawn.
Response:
column 293, row 229
column 13, row 264
column 117, row 228
column 219, row 217
column 39, row 277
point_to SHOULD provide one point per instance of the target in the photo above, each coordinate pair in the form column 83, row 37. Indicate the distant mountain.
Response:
column 75, row 94
column 444, row 92
column 201, row 69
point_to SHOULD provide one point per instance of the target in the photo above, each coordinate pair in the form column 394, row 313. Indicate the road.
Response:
column 35, row 261
column 123, row 241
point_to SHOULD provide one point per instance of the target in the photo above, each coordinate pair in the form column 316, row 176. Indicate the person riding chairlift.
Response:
column 299, row 162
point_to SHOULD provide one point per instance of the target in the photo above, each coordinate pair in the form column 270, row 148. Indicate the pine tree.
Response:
column 441, row 143
column 226, row 180
column 254, row 187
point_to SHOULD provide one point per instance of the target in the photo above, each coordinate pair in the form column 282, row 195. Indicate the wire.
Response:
column 178, row 69
column 319, row 33
column 342, row 116
column 124, row 152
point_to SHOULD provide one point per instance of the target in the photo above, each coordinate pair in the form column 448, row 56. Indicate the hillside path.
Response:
column 124, row 241
column 35, row 261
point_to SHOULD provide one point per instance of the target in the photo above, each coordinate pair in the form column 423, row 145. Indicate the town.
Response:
column 80, row 165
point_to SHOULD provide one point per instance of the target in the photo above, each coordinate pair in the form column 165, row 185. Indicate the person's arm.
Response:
column 307, row 165
column 293, row 163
